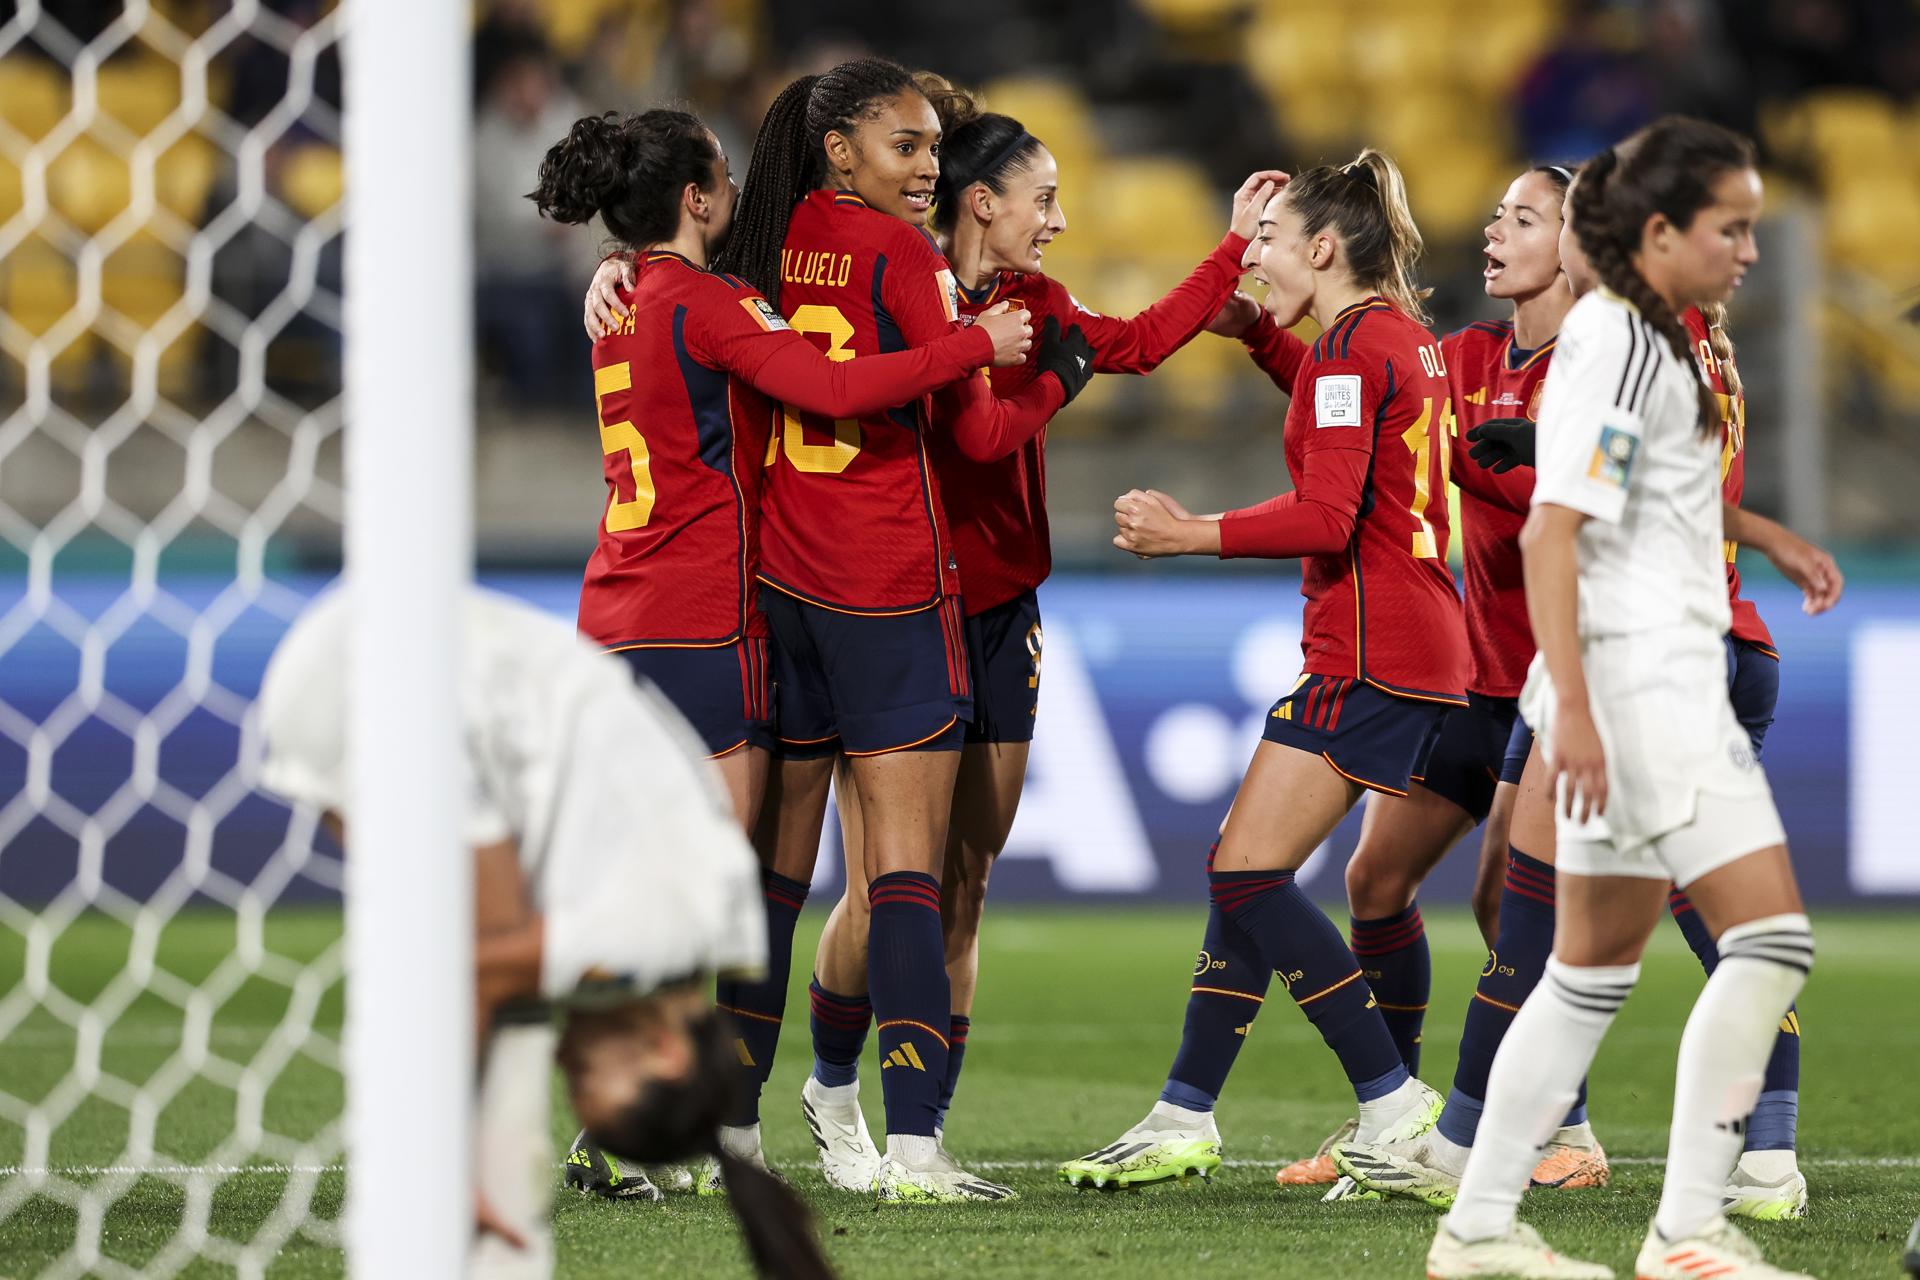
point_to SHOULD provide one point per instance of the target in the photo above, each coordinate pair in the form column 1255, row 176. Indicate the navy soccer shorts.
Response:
column 1003, row 650
column 1380, row 740
column 723, row 692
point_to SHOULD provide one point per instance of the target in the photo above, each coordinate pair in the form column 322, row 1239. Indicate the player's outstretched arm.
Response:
column 1806, row 566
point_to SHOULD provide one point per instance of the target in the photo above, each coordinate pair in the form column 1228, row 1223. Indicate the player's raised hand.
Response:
column 604, row 310
column 1574, row 753
column 1146, row 527
column 1011, row 329
column 1251, row 198
column 1235, row 316
column 1501, row 444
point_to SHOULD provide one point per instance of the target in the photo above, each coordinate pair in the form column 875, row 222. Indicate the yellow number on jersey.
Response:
column 1419, row 438
column 624, row 437
column 828, row 459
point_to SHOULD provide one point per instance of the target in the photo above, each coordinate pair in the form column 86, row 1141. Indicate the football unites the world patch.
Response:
column 763, row 311
column 1613, row 457
column 1336, row 400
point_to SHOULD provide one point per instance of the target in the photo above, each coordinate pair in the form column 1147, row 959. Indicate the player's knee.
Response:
column 1377, row 888
column 1784, row 941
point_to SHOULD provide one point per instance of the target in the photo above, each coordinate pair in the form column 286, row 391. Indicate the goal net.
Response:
column 172, row 1063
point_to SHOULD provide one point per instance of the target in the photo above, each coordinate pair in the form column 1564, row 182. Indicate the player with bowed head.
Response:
column 1384, row 643
column 1654, row 776
column 610, row 880
column 686, row 384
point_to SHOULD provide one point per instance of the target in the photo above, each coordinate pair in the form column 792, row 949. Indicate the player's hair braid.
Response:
column 789, row 159
column 1721, row 341
column 1668, row 168
column 975, row 146
column 631, row 171
column 1366, row 203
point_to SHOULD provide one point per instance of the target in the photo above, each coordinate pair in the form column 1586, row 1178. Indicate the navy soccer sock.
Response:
column 907, row 980
column 1775, row 1122
column 957, row 1029
column 839, row 1026
column 1296, row 940
column 757, row 1007
column 1394, row 958
column 1512, row 971
column 1230, row 983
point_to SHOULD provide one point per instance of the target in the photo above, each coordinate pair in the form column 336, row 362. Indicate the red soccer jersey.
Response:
column 1491, row 378
column 1733, row 475
column 684, row 431
column 998, row 509
column 852, row 512
column 1366, row 445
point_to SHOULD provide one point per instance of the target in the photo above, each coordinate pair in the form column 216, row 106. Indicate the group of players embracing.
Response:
column 823, row 405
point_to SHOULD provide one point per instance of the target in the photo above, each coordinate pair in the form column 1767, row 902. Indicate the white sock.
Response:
column 1165, row 1115
column 914, row 1150
column 835, row 1095
column 1444, row 1154
column 1723, row 1056
column 741, row 1141
column 1536, row 1075
column 1384, row 1112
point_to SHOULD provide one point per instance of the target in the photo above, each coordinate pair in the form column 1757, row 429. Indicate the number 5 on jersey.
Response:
column 624, row 437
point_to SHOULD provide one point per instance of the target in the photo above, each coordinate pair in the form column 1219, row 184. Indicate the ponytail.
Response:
column 785, row 166
column 773, row 1221
column 1365, row 202
column 631, row 172
column 1715, row 314
column 1667, row 168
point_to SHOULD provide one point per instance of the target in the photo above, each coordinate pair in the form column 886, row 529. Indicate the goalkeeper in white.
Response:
column 1656, row 778
column 611, row 879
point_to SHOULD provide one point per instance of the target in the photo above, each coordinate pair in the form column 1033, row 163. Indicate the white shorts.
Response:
column 1723, row 829
column 513, row 1152
column 1684, row 792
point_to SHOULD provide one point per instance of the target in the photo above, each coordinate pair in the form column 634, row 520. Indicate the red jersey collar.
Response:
column 846, row 197
column 1365, row 304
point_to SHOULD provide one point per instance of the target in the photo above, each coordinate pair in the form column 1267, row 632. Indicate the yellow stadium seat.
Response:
column 312, row 180
column 88, row 183
column 573, row 24
column 38, row 287
column 1453, row 188
column 11, row 196
column 1871, row 224
column 34, row 95
column 139, row 92
column 184, row 173
column 1849, row 131
column 141, row 282
column 1055, row 113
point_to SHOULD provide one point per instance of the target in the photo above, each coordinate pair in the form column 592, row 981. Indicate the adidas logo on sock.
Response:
column 905, row 1056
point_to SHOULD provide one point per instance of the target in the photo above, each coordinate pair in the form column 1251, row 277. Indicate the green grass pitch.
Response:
column 1078, row 1015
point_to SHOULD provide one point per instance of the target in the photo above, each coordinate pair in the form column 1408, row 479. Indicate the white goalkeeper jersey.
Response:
column 631, row 851
column 1619, row 439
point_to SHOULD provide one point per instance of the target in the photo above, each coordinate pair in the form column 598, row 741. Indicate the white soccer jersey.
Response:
column 1619, row 439
column 631, row 851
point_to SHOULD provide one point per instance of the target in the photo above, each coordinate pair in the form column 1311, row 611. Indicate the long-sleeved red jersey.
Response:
column 852, row 516
column 1491, row 378
column 998, row 509
column 1366, row 445
column 683, row 388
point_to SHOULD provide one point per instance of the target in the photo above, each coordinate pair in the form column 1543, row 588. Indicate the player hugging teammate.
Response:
column 825, row 529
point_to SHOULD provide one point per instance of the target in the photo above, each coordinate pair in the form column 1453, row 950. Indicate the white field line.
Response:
column 228, row 1171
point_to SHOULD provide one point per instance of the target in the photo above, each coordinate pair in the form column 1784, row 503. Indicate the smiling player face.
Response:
column 892, row 158
column 1026, row 216
column 1523, row 240
column 1281, row 258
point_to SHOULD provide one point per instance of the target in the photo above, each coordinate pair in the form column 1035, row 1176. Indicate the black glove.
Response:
column 1068, row 356
column 1501, row 444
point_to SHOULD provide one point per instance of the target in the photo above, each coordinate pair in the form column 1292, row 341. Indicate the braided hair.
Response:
column 789, row 159
column 675, row 1120
column 1668, row 168
column 975, row 146
column 1366, row 203
column 628, row 170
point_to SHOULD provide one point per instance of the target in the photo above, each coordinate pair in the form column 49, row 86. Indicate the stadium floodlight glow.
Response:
column 409, row 557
